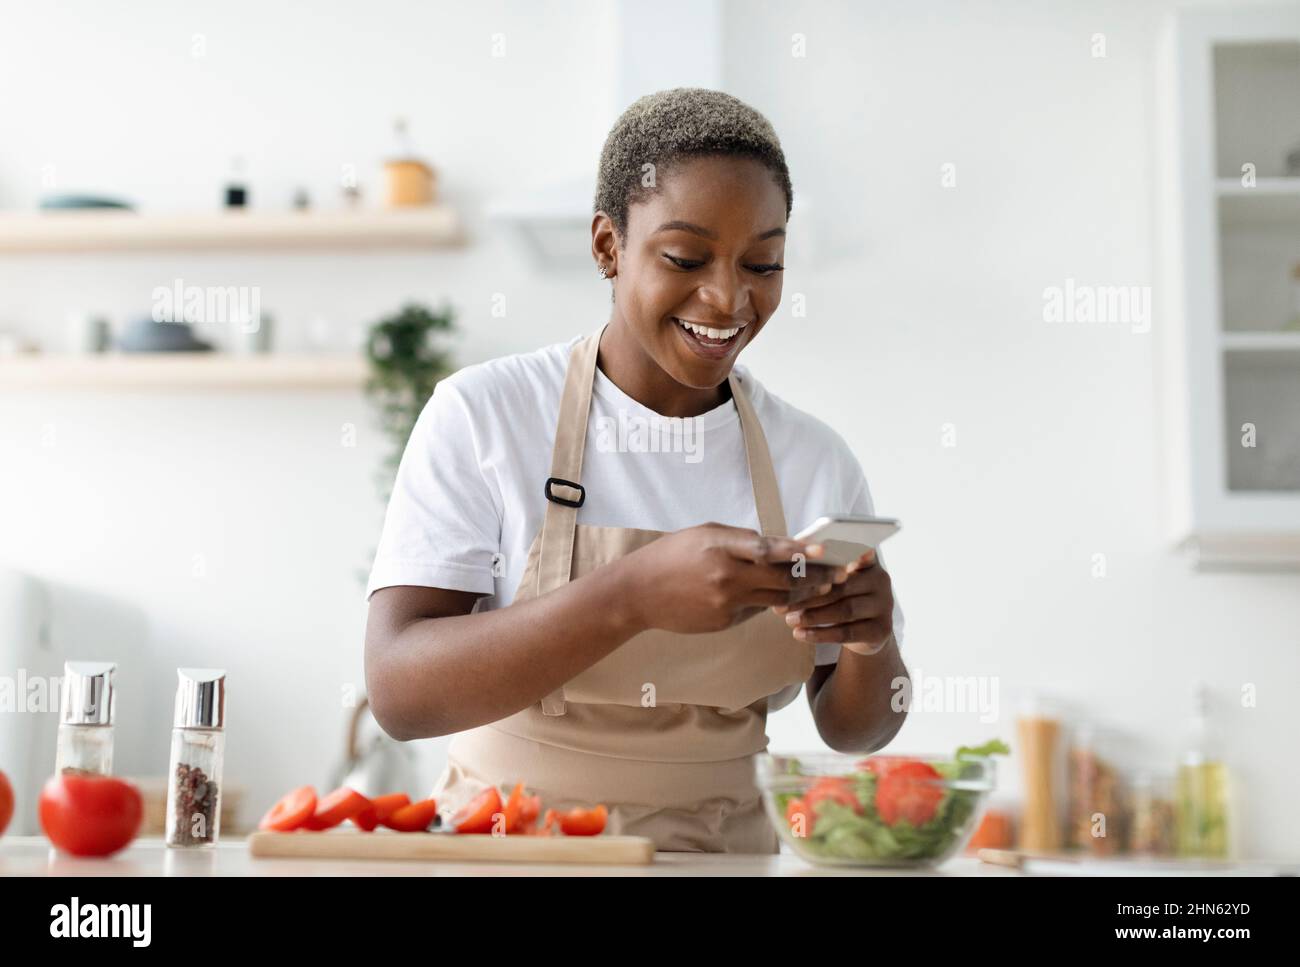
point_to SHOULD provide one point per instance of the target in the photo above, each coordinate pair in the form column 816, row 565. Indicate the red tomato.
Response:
column 550, row 823
column 476, row 815
column 993, row 832
column 909, row 791
column 881, row 764
column 546, row 827
column 835, row 788
column 291, row 811
column 584, row 822
column 514, row 808
column 799, row 817
column 90, row 815
column 531, row 809
column 341, row 804
column 380, row 808
column 414, row 818
column 6, row 802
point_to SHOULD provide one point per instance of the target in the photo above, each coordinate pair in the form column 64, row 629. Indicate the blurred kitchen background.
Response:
column 1101, row 512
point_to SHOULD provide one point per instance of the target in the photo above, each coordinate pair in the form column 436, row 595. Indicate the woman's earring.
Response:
column 602, row 272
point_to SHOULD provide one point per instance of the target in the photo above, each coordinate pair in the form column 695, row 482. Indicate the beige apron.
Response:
column 663, row 730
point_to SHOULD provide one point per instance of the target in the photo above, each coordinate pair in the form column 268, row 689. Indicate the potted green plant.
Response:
column 407, row 359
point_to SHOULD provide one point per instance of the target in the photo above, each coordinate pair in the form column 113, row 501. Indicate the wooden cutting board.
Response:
column 383, row 844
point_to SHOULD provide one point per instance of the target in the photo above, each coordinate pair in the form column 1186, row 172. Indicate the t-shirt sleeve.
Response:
column 828, row 653
column 442, row 528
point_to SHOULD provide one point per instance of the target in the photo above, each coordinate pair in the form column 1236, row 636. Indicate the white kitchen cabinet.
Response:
column 1229, row 212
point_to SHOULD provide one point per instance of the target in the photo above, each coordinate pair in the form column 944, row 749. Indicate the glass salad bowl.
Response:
column 881, row 810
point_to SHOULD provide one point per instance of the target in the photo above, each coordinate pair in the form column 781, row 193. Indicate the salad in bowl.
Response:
column 882, row 810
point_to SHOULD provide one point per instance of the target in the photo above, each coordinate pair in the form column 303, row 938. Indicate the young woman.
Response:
column 584, row 570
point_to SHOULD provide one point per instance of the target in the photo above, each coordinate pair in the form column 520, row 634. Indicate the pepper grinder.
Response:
column 198, row 748
column 85, row 742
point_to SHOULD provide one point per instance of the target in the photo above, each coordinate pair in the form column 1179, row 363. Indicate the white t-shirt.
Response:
column 468, row 499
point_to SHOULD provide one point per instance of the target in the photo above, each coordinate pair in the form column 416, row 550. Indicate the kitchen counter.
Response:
column 33, row 856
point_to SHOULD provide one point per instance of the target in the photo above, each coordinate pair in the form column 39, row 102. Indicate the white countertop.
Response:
column 33, row 856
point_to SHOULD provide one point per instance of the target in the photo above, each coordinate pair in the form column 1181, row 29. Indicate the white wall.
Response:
column 925, row 309
column 283, row 516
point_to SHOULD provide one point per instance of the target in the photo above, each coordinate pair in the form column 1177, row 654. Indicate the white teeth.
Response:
column 706, row 331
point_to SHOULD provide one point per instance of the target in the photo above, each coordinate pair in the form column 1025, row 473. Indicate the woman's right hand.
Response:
column 710, row 577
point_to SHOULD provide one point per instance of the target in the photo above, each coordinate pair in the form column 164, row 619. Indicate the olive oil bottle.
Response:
column 1203, row 792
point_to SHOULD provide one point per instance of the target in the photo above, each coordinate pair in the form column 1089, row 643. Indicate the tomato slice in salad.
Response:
column 476, row 815
column 293, row 809
column 380, row 808
column 584, row 822
column 834, row 788
column 341, row 804
column 413, row 818
column 909, row 792
column 799, row 817
column 882, row 764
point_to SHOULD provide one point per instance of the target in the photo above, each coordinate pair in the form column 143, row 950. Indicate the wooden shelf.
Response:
column 1272, row 200
column 1283, row 341
column 197, row 371
column 104, row 231
column 1230, row 551
column 1233, row 188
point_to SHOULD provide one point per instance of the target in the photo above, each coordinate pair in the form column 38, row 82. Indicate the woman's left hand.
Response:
column 858, row 613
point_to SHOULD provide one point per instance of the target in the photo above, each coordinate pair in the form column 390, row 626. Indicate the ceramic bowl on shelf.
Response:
column 143, row 335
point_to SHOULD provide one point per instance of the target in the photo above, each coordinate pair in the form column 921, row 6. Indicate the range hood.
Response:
column 554, row 218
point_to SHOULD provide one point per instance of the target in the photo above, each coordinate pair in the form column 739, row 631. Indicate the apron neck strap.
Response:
column 762, row 475
column 556, row 552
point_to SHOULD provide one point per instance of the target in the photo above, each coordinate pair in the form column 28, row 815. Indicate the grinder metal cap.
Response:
column 87, row 696
column 200, row 698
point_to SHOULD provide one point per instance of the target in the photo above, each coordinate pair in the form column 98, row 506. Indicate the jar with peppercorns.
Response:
column 198, row 747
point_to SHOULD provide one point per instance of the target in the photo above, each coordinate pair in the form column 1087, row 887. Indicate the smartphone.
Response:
column 845, row 538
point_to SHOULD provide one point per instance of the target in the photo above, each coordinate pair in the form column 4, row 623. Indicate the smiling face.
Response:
column 700, row 273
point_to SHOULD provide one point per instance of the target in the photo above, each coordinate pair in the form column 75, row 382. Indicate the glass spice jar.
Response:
column 198, row 748
column 1038, row 729
column 86, row 707
column 1153, row 828
column 1097, row 812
